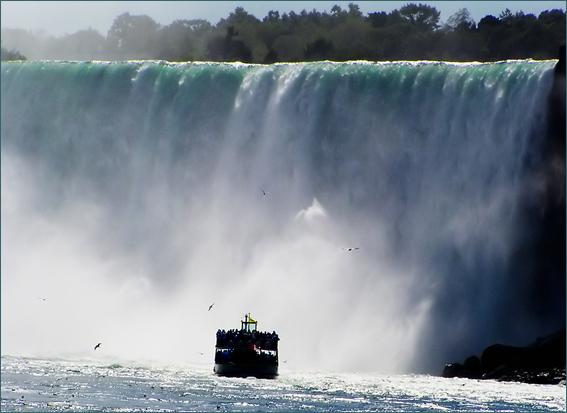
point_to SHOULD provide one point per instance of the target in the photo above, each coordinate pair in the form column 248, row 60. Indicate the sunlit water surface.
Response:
column 62, row 385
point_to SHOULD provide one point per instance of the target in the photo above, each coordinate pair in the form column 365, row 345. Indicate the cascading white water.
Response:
column 132, row 199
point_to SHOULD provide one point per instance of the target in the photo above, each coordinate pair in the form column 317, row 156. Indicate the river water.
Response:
column 33, row 384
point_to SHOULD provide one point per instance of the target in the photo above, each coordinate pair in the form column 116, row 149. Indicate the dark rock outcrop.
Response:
column 541, row 362
column 471, row 369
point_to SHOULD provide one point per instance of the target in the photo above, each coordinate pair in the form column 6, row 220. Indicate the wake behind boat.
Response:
column 246, row 352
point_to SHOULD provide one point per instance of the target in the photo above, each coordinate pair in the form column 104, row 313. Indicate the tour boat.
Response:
column 246, row 352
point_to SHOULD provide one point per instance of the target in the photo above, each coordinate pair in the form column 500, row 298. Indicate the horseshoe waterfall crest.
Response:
column 132, row 198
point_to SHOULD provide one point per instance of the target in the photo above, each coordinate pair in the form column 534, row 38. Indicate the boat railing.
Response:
column 227, row 355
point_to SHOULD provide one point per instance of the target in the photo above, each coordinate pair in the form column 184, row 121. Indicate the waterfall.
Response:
column 135, row 194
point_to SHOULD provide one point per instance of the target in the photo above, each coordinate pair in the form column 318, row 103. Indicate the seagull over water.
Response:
column 97, row 346
column 211, row 306
column 351, row 248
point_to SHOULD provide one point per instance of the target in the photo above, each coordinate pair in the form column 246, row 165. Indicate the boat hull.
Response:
column 246, row 370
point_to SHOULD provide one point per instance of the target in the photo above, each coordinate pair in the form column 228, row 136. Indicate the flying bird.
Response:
column 211, row 306
column 351, row 248
column 97, row 346
column 263, row 192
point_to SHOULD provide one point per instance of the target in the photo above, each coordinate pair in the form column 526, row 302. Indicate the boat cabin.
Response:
column 248, row 324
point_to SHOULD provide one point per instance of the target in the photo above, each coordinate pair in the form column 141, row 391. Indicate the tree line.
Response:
column 413, row 32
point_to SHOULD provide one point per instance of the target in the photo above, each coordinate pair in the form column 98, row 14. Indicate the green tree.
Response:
column 229, row 49
column 378, row 19
column 82, row 45
column 353, row 39
column 245, row 38
column 133, row 37
column 337, row 11
column 289, row 47
column 271, row 57
column 11, row 55
column 461, row 20
column 491, row 30
column 354, row 11
column 320, row 49
column 421, row 15
column 522, row 39
column 184, row 40
column 271, row 28
column 552, row 33
column 506, row 16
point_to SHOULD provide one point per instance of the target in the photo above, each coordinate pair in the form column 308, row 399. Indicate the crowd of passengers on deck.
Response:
column 239, row 338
